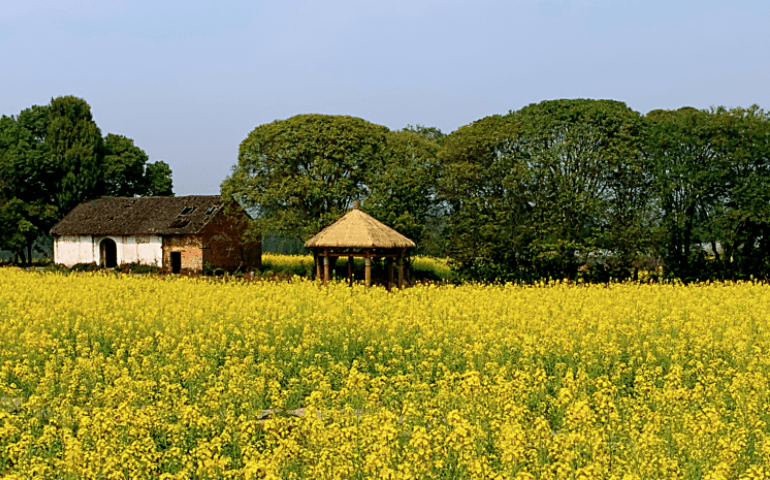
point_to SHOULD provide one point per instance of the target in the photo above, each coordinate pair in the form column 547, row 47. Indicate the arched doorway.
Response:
column 108, row 253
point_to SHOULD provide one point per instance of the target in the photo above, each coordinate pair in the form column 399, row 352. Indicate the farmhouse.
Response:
column 176, row 234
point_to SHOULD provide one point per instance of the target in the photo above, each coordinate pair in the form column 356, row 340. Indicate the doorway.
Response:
column 176, row 262
column 108, row 252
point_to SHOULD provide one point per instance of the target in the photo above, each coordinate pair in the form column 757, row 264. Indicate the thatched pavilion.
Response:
column 357, row 234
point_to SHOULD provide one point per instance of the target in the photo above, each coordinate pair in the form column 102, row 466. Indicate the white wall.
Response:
column 71, row 249
column 147, row 249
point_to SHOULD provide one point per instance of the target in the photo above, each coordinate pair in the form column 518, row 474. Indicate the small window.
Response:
column 179, row 223
column 210, row 210
column 187, row 210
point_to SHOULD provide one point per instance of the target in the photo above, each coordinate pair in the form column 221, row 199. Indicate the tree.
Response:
column 712, row 173
column 127, row 173
column 745, row 225
column 543, row 190
column 75, row 152
column 432, row 134
column 157, row 180
column 298, row 175
column 586, row 183
column 123, row 168
column 482, row 185
column 26, row 181
column 403, row 189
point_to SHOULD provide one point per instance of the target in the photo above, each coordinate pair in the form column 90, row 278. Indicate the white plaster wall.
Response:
column 146, row 249
column 72, row 249
column 150, row 250
column 128, row 245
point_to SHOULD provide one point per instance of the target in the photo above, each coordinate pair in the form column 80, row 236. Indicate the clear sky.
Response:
column 189, row 80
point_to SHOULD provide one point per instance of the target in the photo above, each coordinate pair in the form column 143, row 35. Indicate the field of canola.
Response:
column 106, row 376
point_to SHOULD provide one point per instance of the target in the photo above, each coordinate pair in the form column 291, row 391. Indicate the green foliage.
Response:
column 17, row 230
column 586, row 184
column 158, row 180
column 481, row 185
column 712, row 182
column 211, row 271
column 28, row 181
column 538, row 192
column 298, row 175
column 138, row 268
column 589, row 189
column 403, row 190
column 127, row 173
column 86, row 267
column 432, row 134
column 75, row 150
column 123, row 166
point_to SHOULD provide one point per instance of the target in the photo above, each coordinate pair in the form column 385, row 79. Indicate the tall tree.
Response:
column 403, row 189
column 541, row 191
column 586, row 183
column 482, row 185
column 123, row 167
column 297, row 175
column 127, row 173
column 27, row 181
column 157, row 180
column 75, row 152
column 745, row 225
column 712, row 172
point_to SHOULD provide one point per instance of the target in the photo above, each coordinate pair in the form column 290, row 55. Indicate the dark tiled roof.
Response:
column 140, row 216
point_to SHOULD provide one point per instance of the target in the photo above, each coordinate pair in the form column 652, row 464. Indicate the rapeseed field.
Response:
column 116, row 376
column 304, row 265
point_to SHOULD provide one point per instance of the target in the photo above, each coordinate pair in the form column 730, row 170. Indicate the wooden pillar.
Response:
column 350, row 271
column 401, row 270
column 368, row 268
column 389, row 262
column 326, row 265
column 318, row 266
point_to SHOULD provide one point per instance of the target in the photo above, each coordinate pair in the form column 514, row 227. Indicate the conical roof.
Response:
column 357, row 229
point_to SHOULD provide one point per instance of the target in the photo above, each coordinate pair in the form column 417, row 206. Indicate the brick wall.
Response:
column 190, row 248
column 224, row 245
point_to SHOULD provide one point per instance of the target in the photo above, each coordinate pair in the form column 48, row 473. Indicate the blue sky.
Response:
column 189, row 80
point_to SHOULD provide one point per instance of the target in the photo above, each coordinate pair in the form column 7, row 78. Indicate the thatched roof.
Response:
column 140, row 216
column 357, row 229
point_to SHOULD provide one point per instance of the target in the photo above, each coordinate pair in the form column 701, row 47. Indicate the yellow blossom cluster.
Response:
column 117, row 376
column 279, row 262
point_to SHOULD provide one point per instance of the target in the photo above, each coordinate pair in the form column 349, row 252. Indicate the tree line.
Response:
column 53, row 157
column 559, row 189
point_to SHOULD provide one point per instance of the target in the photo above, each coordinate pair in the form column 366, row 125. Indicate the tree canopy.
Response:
column 298, row 175
column 403, row 188
column 543, row 190
column 712, row 186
